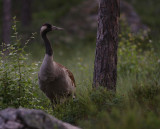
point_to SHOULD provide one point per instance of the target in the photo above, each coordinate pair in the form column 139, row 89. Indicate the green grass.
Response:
column 137, row 98
column 136, row 103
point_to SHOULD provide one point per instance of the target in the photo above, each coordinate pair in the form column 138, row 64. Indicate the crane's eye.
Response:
column 49, row 26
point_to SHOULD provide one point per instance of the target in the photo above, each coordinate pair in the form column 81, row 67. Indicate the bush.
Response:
column 135, row 55
column 17, row 86
column 99, row 108
column 147, row 95
column 87, row 106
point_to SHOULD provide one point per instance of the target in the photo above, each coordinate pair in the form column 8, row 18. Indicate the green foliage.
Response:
column 85, row 106
column 136, row 103
column 137, row 99
column 52, row 11
column 149, row 13
column 17, row 82
column 129, row 119
column 135, row 54
column 147, row 94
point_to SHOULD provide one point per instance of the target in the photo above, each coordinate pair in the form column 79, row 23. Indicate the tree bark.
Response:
column 6, row 27
column 105, row 67
column 26, row 12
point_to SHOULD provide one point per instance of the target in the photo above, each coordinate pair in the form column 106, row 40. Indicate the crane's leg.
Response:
column 53, row 103
column 73, row 96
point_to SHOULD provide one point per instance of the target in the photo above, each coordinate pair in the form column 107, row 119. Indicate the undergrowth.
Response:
column 18, row 84
column 135, row 105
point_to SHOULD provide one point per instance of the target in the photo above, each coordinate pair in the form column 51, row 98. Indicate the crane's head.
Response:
column 48, row 27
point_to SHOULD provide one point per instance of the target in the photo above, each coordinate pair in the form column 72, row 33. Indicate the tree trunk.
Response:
column 105, row 67
column 26, row 12
column 6, row 27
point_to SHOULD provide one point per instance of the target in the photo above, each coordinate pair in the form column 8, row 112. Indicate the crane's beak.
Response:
column 56, row 28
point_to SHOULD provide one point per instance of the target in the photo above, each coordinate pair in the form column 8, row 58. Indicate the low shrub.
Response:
column 17, row 83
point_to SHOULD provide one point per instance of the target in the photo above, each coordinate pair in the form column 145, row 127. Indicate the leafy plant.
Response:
column 17, row 86
column 135, row 55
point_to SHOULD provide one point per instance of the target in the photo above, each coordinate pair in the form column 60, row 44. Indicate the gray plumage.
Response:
column 54, row 79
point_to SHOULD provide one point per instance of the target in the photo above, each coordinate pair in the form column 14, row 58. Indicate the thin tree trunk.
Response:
column 105, row 67
column 6, row 27
column 26, row 12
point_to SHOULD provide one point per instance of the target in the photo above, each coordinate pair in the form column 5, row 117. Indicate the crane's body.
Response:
column 55, row 80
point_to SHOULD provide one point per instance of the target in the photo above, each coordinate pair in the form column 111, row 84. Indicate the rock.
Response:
column 132, row 18
column 12, row 125
column 30, row 119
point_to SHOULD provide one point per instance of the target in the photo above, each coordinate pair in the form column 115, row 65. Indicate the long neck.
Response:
column 48, row 46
